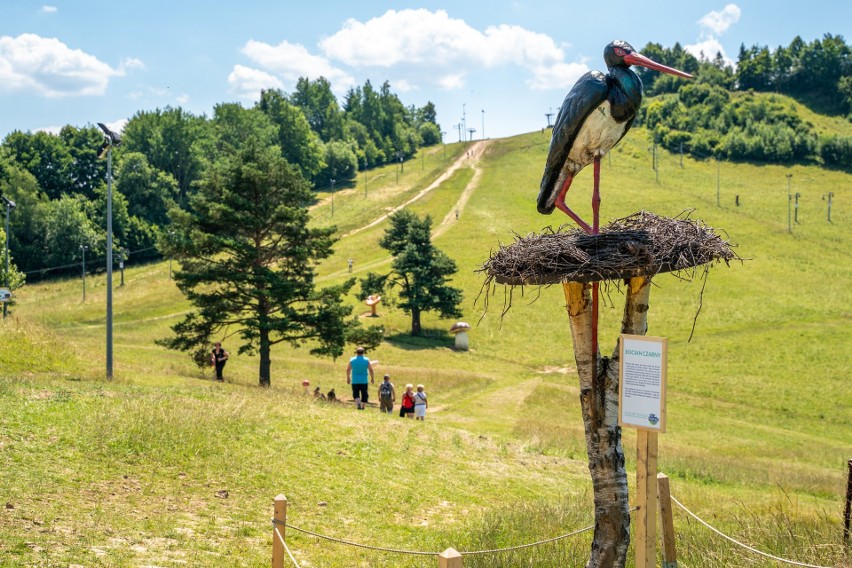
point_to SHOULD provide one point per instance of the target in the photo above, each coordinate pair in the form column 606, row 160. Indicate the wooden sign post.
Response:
column 642, row 405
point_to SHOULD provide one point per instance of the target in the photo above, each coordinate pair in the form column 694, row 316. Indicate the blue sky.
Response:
column 79, row 63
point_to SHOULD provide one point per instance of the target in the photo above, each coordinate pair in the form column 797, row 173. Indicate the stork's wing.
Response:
column 585, row 96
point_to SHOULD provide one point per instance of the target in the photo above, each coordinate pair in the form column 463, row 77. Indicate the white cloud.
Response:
column 131, row 63
column 448, row 48
column 559, row 76
column 708, row 50
column 403, row 86
column 247, row 83
column 451, row 82
column 48, row 67
column 292, row 61
column 48, row 9
column 719, row 22
column 182, row 99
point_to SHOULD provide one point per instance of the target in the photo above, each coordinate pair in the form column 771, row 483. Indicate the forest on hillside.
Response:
column 718, row 114
column 60, row 185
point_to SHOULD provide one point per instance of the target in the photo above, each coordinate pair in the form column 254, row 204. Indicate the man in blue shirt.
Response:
column 356, row 375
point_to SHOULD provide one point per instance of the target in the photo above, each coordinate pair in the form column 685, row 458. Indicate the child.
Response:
column 420, row 404
column 407, row 408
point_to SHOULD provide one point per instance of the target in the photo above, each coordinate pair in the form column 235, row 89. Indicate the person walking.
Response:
column 420, row 403
column 387, row 395
column 407, row 407
column 219, row 358
column 357, row 371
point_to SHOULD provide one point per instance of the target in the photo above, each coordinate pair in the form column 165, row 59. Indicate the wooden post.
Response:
column 280, row 519
column 646, row 499
column 450, row 558
column 847, row 512
column 666, row 521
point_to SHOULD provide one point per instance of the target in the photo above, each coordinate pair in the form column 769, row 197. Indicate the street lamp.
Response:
column 111, row 141
column 483, row 124
column 84, row 248
column 796, row 208
column 829, row 195
column 332, row 197
column 789, row 205
column 9, row 206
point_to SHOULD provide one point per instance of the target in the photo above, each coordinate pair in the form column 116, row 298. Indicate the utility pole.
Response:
column 789, row 205
column 122, row 257
column 112, row 140
column 718, row 183
column 471, row 130
column 332, row 197
column 464, row 118
column 9, row 206
column 549, row 115
column 483, row 124
column 83, row 248
column 796, row 208
column 829, row 195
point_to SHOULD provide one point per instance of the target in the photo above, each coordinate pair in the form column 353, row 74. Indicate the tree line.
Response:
column 719, row 113
column 60, row 185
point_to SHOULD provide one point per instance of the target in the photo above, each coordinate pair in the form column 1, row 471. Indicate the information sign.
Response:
column 642, row 382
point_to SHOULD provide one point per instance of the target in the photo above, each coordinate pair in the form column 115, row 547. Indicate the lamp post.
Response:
column 111, row 140
column 829, row 195
column 122, row 257
column 9, row 206
column 332, row 197
column 796, row 208
column 84, row 248
column 444, row 143
column 483, row 124
column 789, row 205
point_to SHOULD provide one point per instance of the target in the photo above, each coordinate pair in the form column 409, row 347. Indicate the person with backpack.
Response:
column 387, row 395
column 407, row 407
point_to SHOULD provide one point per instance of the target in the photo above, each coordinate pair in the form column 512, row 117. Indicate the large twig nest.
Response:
column 642, row 244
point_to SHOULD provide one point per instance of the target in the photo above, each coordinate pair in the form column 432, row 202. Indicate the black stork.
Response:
column 595, row 115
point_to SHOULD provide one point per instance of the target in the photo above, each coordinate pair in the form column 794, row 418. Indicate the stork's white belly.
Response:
column 596, row 137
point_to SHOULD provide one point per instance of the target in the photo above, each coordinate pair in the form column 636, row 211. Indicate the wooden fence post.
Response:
column 646, row 499
column 280, row 519
column 847, row 512
column 666, row 521
column 450, row 558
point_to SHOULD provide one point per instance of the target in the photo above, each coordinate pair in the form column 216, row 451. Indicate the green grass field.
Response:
column 164, row 467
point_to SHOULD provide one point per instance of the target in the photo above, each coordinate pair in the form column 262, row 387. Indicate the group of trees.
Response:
column 60, row 184
column 228, row 196
column 703, row 117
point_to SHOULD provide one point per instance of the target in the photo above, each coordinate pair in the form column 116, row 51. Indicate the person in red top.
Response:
column 407, row 408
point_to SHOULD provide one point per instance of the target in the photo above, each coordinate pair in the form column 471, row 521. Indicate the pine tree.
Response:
column 420, row 271
column 247, row 261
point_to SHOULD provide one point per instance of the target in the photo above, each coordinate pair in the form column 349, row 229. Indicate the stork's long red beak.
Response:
column 639, row 59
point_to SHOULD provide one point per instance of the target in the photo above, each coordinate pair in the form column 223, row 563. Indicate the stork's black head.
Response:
column 615, row 52
column 621, row 54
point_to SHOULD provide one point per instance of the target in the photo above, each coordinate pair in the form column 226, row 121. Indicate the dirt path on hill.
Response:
column 471, row 156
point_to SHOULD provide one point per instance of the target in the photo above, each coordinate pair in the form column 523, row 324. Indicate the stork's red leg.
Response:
column 596, row 198
column 596, row 207
column 560, row 204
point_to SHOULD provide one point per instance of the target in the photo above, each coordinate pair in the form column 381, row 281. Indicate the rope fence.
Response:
column 286, row 548
column 452, row 558
column 738, row 543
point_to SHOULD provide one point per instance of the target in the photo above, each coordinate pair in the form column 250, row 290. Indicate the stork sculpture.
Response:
column 594, row 117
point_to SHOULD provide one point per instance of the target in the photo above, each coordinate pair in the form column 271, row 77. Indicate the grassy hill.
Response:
column 163, row 467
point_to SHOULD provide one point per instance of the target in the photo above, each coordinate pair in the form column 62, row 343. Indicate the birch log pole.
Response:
column 599, row 403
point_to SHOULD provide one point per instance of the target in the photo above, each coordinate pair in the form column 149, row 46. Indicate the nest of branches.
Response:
column 642, row 244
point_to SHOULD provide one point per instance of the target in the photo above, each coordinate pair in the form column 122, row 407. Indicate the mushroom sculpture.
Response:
column 460, row 329
column 372, row 301
column 306, row 384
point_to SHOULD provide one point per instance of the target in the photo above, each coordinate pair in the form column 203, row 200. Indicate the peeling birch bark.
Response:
column 599, row 403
